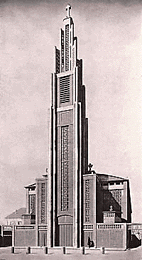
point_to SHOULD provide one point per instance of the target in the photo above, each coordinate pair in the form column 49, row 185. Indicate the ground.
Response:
column 75, row 254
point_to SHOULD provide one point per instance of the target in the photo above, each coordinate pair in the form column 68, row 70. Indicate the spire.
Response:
column 68, row 8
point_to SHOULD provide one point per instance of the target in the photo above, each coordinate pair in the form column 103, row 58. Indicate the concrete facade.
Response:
column 71, row 205
column 103, row 215
column 35, row 218
column 69, row 141
column 106, row 200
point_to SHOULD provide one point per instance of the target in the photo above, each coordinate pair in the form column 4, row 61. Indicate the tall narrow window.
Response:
column 42, row 202
column 87, row 201
column 64, row 168
column 67, row 47
column 32, row 203
column 62, row 50
column 57, row 61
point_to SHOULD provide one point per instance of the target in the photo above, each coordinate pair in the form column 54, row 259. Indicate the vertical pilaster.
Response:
column 94, row 207
column 79, row 176
column 54, row 156
column 27, row 201
column 37, row 213
column 124, row 236
column 49, row 182
column 50, row 170
column 75, row 178
column 13, row 235
column 124, row 200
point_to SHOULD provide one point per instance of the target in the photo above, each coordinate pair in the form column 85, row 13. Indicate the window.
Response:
column 64, row 168
column 62, row 49
column 42, row 202
column 67, row 47
column 64, row 89
column 117, row 195
column 32, row 199
column 87, row 200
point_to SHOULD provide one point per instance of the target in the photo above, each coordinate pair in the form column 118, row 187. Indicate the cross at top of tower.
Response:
column 68, row 8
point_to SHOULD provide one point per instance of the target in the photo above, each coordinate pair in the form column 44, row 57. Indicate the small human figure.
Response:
column 89, row 242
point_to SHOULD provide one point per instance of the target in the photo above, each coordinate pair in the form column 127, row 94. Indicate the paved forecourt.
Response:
column 55, row 254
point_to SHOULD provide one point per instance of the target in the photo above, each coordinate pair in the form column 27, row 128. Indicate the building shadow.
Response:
column 134, row 242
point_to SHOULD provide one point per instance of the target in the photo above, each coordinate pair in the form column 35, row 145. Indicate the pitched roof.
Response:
column 109, row 177
column 16, row 214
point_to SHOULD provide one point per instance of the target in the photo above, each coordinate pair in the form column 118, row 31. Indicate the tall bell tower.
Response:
column 68, row 142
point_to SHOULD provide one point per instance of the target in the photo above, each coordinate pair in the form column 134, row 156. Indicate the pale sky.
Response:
column 109, row 39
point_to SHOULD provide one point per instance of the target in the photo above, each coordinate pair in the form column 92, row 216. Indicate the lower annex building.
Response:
column 106, row 214
column 71, row 205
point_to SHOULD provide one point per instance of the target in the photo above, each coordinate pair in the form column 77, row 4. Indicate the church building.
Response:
column 72, row 205
column 78, row 197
